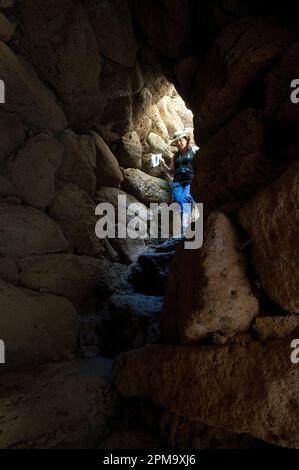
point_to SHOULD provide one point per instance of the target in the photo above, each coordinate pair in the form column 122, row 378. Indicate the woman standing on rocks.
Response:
column 182, row 170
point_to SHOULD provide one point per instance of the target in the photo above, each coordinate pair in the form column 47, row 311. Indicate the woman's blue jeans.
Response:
column 181, row 195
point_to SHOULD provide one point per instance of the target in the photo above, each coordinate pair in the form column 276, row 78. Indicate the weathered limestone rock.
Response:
column 208, row 290
column 240, row 53
column 11, row 133
column 158, row 145
column 158, row 125
column 172, row 120
column 141, row 107
column 118, row 82
column 61, row 45
column 271, row 219
column 113, row 29
column 6, row 28
column 252, row 390
column 74, row 211
column 165, row 24
column 79, row 161
column 34, row 167
column 234, row 163
column 38, row 414
column 73, row 276
column 128, row 249
column 117, row 115
column 129, row 151
column 134, row 320
column 180, row 108
column 145, row 188
column 26, row 231
column 36, row 327
column 275, row 327
column 107, row 171
column 26, row 96
column 279, row 106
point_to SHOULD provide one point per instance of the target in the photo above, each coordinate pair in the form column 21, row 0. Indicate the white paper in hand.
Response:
column 156, row 159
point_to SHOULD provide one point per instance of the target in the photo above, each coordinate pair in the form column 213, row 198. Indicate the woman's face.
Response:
column 182, row 144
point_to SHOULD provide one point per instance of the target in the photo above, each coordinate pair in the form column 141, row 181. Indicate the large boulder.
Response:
column 166, row 24
column 79, row 161
column 117, row 115
column 107, row 167
column 145, row 188
column 113, row 29
column 34, row 167
column 36, row 327
column 234, row 163
column 26, row 95
column 38, row 415
column 271, row 219
column 11, row 135
column 129, row 151
column 73, row 276
column 7, row 188
column 60, row 46
column 74, row 211
column 26, row 231
column 170, row 117
column 208, row 290
column 118, row 82
column 241, row 52
column 251, row 390
column 158, row 126
column 7, row 28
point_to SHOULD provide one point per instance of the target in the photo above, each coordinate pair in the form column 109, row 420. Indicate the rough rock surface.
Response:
column 67, row 405
column 26, row 95
column 12, row 134
column 252, row 390
column 208, row 290
column 35, row 327
column 107, row 171
column 73, row 276
column 34, row 168
column 240, row 145
column 241, row 52
column 145, row 188
column 129, row 151
column 26, row 231
column 74, row 211
column 271, row 218
column 275, row 327
column 60, row 52
column 79, row 161
column 114, row 31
